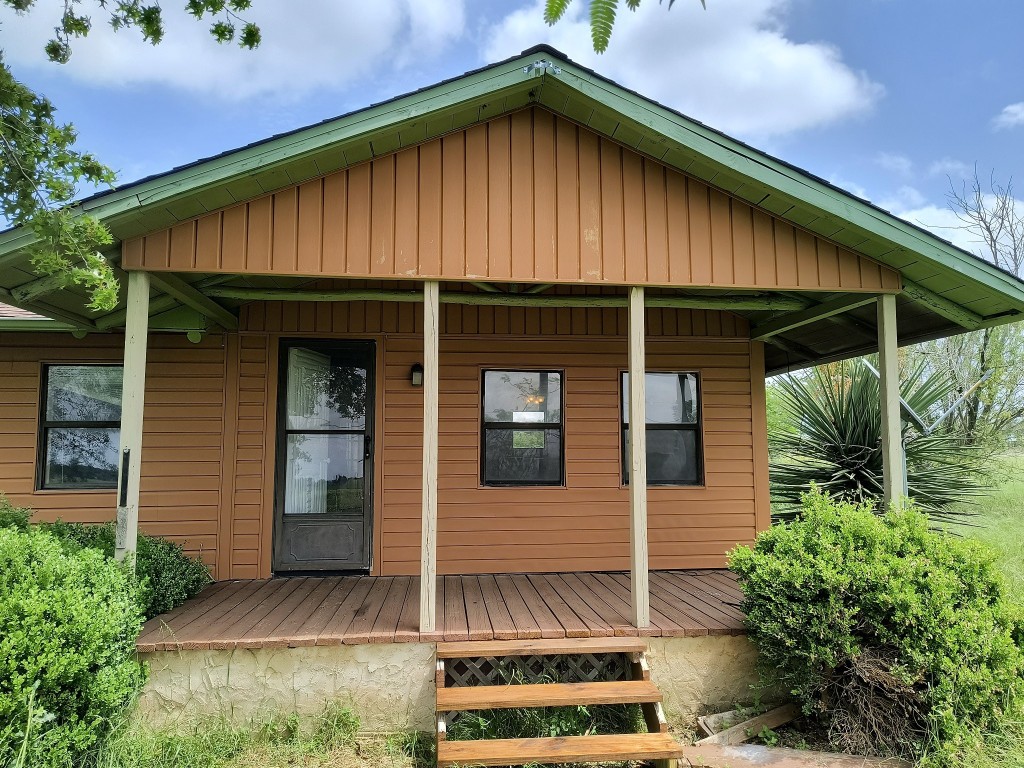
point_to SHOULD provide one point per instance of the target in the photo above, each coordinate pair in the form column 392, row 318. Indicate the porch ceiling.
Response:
column 849, row 333
column 947, row 290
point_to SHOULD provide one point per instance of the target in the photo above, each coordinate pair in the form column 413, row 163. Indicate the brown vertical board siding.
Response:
column 759, row 430
column 524, row 197
column 182, row 440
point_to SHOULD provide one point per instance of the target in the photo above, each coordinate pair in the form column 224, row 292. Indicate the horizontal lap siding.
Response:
column 584, row 526
column 182, row 441
column 527, row 196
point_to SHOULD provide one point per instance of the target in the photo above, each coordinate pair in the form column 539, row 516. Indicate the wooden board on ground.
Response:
column 561, row 749
column 748, row 729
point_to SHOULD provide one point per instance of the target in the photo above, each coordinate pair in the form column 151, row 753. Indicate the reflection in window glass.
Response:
column 80, row 426
column 672, row 403
column 325, row 474
column 324, row 394
column 522, row 428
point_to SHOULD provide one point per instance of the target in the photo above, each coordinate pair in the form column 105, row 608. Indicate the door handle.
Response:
column 367, row 446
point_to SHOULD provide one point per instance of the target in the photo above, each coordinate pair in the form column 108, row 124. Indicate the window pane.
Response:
column 83, row 393
column 523, row 396
column 324, row 393
column 82, row 456
column 523, row 457
column 324, row 475
column 671, row 398
column 671, row 457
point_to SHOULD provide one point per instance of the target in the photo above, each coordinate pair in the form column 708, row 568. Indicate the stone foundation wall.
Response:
column 697, row 674
column 391, row 686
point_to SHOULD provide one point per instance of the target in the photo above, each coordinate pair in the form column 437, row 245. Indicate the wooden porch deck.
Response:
column 385, row 609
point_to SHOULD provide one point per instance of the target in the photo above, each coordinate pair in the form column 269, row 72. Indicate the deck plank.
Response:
column 526, row 627
column 358, row 631
column 543, row 616
column 321, row 618
column 305, row 611
column 607, row 605
column 384, row 628
column 595, row 624
column 456, row 622
column 476, row 611
column 293, row 623
column 502, row 625
column 572, row 624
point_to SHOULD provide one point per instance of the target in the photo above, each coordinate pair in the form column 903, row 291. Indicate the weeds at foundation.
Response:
column 328, row 741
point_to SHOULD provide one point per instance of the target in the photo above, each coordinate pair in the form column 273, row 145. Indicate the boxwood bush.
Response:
column 899, row 638
column 167, row 576
column 68, row 624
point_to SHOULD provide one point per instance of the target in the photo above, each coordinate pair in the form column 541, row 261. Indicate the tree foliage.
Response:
column 602, row 17
column 40, row 167
column 994, row 412
column 833, row 438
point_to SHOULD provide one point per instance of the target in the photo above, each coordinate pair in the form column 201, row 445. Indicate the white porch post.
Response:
column 638, row 462
column 133, row 395
column 894, row 482
column 428, row 536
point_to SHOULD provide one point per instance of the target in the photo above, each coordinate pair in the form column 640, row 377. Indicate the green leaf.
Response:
column 602, row 19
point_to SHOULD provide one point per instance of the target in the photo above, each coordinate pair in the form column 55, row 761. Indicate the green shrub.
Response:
column 12, row 516
column 68, row 623
column 899, row 637
column 168, row 576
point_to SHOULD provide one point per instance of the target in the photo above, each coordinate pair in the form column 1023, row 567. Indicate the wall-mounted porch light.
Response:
column 416, row 375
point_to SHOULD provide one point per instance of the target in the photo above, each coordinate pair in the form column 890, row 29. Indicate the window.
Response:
column 673, row 429
column 522, row 428
column 80, row 426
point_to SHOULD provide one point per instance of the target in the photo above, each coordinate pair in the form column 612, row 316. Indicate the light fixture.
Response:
column 416, row 375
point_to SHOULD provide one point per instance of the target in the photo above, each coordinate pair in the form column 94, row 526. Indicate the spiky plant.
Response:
column 836, row 443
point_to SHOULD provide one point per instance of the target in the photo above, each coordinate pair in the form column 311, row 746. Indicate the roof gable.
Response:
column 523, row 197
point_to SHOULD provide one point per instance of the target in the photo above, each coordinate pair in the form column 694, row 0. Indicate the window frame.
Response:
column 697, row 428
column 521, row 426
column 44, row 425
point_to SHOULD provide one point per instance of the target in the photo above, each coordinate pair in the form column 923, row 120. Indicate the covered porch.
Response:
column 353, row 610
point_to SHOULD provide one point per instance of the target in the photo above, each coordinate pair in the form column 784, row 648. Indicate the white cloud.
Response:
column 1011, row 116
column 307, row 44
column 894, row 162
column 730, row 66
column 947, row 166
column 943, row 222
column 904, row 198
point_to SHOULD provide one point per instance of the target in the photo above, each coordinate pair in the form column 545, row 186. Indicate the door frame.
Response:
column 369, row 347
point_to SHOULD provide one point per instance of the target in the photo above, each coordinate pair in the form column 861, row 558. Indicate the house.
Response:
column 511, row 329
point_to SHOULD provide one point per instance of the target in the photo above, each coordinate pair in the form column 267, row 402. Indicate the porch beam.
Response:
column 54, row 313
column 894, row 485
column 751, row 303
column 190, row 296
column 428, row 528
column 943, row 306
column 39, row 287
column 638, row 582
column 812, row 314
column 485, row 287
column 133, row 394
column 157, row 305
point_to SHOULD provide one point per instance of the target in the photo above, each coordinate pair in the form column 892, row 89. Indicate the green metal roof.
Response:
column 546, row 77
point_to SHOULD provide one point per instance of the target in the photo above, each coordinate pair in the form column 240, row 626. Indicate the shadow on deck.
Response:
column 293, row 612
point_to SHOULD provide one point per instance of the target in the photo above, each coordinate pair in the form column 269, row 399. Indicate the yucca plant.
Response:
column 834, row 442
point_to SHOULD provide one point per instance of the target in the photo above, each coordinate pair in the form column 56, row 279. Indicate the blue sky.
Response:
column 883, row 97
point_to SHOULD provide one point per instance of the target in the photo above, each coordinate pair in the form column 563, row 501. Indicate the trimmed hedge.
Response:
column 899, row 638
column 68, row 624
column 167, row 576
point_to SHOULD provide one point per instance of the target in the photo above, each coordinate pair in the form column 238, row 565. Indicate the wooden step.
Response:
column 560, row 749
column 546, row 695
column 473, row 649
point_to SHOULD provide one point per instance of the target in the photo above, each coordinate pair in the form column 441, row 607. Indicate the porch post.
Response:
column 894, row 482
column 428, row 536
column 638, row 462
column 133, row 395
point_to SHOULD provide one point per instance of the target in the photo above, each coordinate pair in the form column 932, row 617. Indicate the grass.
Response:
column 1000, row 523
column 328, row 741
